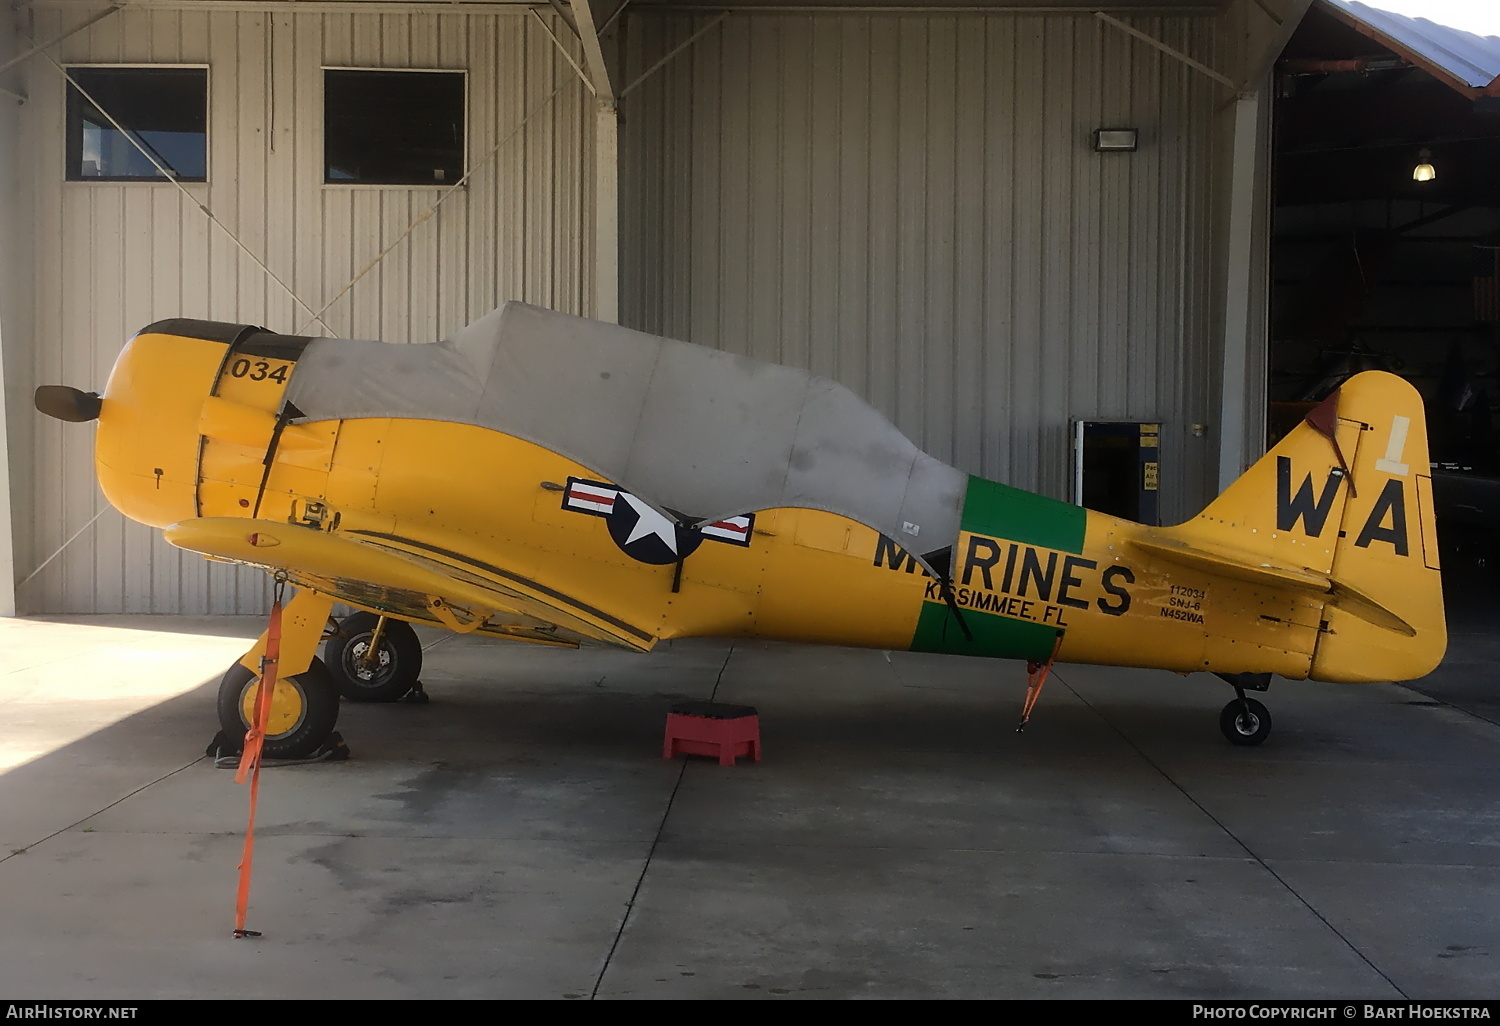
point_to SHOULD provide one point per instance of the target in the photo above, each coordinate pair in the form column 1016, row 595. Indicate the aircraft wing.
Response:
column 384, row 573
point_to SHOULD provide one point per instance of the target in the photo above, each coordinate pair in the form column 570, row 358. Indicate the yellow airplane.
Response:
column 559, row 481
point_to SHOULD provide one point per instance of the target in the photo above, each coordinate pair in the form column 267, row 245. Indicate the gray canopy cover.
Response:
column 686, row 428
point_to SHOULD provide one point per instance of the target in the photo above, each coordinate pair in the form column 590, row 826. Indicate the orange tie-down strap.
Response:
column 1037, row 672
column 250, row 759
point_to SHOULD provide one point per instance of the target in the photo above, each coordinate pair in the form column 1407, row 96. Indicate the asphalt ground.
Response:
column 522, row 836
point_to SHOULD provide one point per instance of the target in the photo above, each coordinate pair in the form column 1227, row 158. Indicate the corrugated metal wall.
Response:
column 110, row 258
column 911, row 205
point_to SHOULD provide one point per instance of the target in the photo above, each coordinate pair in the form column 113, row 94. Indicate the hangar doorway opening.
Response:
column 1386, row 249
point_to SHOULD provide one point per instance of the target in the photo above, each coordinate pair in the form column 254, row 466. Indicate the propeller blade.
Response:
column 67, row 403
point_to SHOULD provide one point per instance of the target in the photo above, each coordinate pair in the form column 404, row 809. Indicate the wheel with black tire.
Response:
column 304, row 709
column 1245, row 722
column 391, row 673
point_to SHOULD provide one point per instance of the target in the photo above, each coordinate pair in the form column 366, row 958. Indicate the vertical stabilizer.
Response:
column 1346, row 497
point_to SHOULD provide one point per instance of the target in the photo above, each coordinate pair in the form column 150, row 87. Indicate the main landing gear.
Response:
column 304, row 710
column 367, row 658
column 1244, row 721
column 375, row 659
column 304, row 703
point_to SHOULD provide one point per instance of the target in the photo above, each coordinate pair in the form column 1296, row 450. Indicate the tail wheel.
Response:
column 304, row 709
column 386, row 675
column 1245, row 722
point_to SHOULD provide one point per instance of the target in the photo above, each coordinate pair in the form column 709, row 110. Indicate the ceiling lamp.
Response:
column 1423, row 172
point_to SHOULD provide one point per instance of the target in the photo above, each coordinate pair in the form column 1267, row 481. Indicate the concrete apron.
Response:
column 521, row 836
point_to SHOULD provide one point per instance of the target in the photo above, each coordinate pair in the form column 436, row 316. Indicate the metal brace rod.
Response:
column 564, row 51
column 689, row 41
column 566, row 15
column 1283, row 34
column 593, row 50
column 1164, row 48
column 99, row 16
column 611, row 19
column 1278, row 19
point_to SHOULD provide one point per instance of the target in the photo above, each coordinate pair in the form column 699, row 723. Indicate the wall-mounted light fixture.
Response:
column 1114, row 140
column 1424, row 171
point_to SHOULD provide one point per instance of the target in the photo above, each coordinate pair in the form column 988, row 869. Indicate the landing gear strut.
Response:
column 1245, row 721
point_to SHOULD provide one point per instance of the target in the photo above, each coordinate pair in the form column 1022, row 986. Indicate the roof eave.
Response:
column 1428, row 65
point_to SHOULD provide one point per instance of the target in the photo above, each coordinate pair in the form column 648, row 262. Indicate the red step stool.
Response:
column 711, row 728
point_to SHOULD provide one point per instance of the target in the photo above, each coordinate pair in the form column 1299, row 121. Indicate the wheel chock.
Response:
column 416, row 695
column 226, row 754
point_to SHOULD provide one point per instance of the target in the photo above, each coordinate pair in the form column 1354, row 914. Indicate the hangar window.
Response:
column 393, row 127
column 163, row 109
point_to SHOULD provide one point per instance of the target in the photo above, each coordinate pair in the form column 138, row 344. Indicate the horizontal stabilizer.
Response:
column 1268, row 574
column 1228, row 566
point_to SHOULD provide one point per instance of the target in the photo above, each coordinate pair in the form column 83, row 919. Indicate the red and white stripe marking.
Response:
column 735, row 529
column 590, row 498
